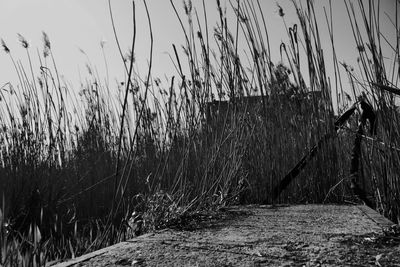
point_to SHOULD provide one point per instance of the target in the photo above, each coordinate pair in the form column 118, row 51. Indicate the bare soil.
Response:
column 303, row 235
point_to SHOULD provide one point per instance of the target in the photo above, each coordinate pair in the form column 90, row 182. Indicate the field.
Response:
column 83, row 170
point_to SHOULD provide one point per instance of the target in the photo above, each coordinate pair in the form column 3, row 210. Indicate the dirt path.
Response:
column 304, row 235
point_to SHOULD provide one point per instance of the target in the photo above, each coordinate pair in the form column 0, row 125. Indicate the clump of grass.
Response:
column 380, row 159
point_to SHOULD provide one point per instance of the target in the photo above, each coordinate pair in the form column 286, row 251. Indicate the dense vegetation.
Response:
column 82, row 171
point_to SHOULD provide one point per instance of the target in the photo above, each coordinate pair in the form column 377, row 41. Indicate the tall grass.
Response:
column 380, row 156
column 82, row 171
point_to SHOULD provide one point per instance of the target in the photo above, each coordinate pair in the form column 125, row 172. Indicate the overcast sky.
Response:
column 82, row 24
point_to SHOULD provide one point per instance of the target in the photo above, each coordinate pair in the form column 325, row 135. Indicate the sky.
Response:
column 74, row 26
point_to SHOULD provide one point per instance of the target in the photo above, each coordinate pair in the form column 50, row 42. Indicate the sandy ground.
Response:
column 303, row 235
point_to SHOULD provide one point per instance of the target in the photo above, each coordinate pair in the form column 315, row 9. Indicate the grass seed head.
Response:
column 47, row 45
column 5, row 47
column 46, row 40
column 281, row 13
column 103, row 43
column 23, row 41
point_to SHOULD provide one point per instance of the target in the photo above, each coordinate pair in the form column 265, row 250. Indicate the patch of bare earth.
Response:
column 304, row 235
